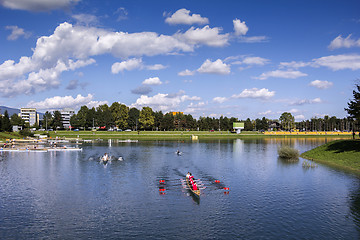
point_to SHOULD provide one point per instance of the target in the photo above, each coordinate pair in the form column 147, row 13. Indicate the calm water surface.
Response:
column 70, row 195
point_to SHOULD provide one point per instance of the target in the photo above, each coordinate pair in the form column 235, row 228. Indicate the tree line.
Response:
column 122, row 117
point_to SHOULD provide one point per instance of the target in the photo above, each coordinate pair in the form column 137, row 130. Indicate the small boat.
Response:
column 196, row 193
column 127, row 141
column 64, row 149
column 105, row 158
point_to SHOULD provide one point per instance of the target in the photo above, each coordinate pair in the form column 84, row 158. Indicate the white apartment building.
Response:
column 29, row 115
column 66, row 114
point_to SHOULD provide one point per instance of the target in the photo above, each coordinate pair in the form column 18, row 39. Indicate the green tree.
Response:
column 158, row 118
column 81, row 117
column 258, row 125
column 353, row 108
column 248, row 126
column 146, row 118
column 287, row 121
column 203, row 124
column 90, row 118
column 104, row 116
column 179, row 121
column 133, row 118
column 167, row 122
column 264, row 124
column 120, row 113
column 57, row 121
column 6, row 124
column 190, row 122
column 47, row 118
column 124, row 115
column 16, row 120
column 74, row 121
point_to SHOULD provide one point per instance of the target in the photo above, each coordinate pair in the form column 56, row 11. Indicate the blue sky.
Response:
column 206, row 58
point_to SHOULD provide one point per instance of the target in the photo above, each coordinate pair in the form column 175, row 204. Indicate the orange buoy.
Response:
column 217, row 181
column 161, row 189
column 162, row 181
column 226, row 188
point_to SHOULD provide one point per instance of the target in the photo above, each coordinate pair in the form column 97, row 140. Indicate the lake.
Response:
column 71, row 195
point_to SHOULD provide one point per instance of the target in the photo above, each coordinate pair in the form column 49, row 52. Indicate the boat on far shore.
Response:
column 128, row 140
column 39, row 149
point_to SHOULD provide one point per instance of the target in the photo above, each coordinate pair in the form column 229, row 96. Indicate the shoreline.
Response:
column 193, row 135
column 88, row 136
column 342, row 154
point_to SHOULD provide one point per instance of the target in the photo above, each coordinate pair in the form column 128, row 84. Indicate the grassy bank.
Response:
column 7, row 135
column 174, row 135
column 341, row 154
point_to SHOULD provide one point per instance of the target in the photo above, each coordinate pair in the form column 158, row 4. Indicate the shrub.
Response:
column 288, row 152
column 26, row 133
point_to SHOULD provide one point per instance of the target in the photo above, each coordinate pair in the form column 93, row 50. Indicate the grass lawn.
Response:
column 171, row 135
column 149, row 135
column 341, row 154
column 7, row 135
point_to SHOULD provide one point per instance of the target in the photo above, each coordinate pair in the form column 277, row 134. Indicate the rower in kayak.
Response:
column 105, row 158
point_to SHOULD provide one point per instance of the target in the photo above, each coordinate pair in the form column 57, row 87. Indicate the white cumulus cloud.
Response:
column 240, row 28
column 340, row 42
column 321, row 84
column 282, row 74
column 182, row 16
column 268, row 112
column 217, row 67
column 131, row 64
column 85, row 19
column 206, row 35
column 152, row 81
column 219, row 99
column 186, row 72
column 164, row 101
column 294, row 64
column 299, row 117
column 16, row 32
column 339, row 62
column 263, row 93
column 306, row 101
column 58, row 102
column 72, row 46
column 255, row 61
column 155, row 67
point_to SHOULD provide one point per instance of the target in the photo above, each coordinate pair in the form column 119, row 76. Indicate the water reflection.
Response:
column 70, row 195
column 238, row 146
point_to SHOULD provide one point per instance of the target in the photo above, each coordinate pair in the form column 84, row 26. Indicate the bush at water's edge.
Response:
column 289, row 153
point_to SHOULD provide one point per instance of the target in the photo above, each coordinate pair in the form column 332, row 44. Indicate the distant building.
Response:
column 16, row 128
column 174, row 113
column 66, row 114
column 29, row 115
